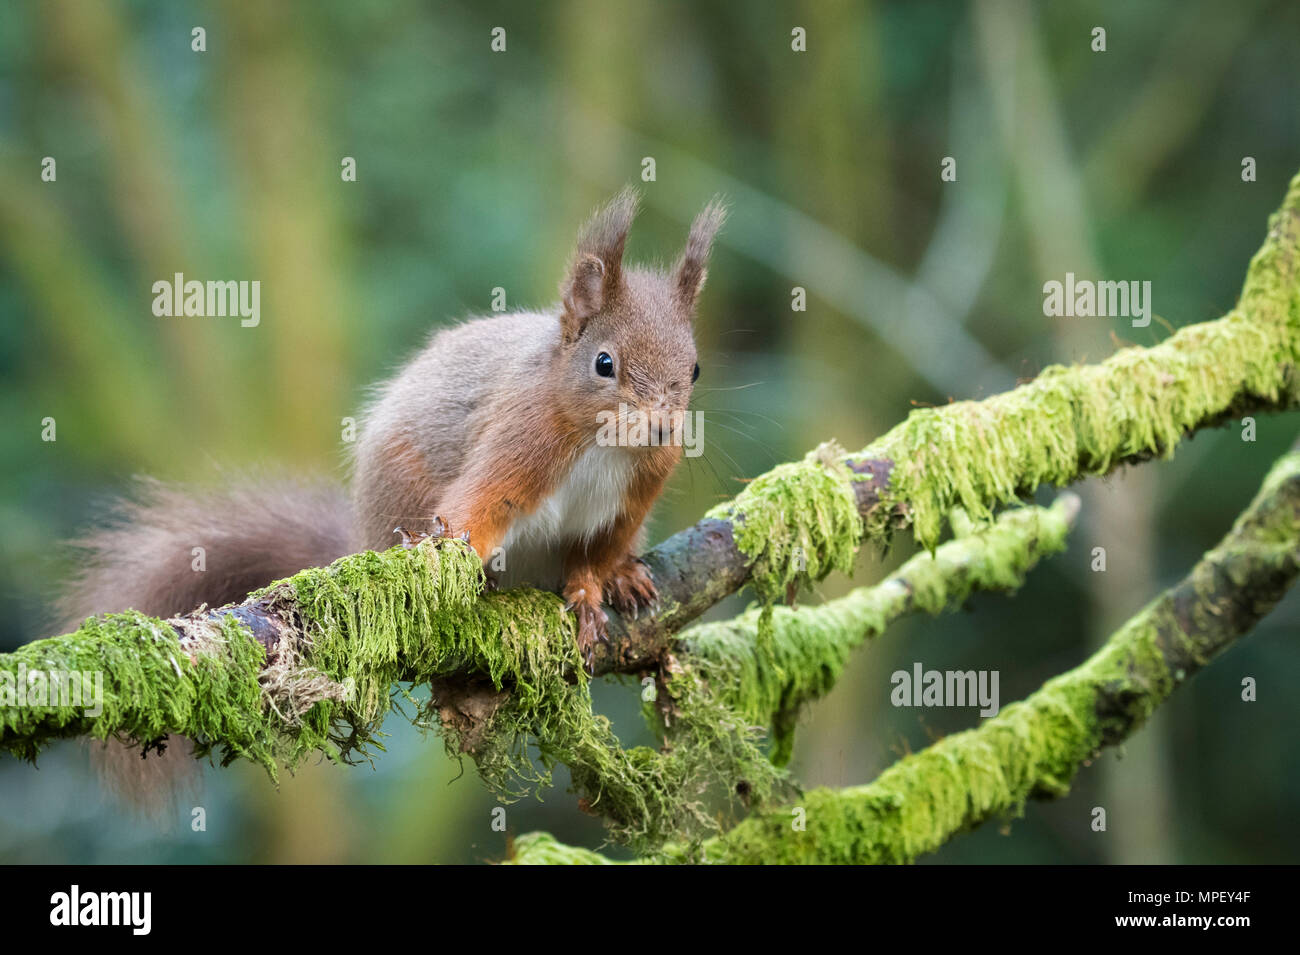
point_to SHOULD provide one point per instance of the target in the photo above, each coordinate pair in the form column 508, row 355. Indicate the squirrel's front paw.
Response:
column 592, row 622
column 630, row 589
column 410, row 539
column 439, row 528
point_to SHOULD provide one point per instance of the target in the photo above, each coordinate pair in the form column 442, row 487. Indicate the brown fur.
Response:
column 491, row 418
column 255, row 530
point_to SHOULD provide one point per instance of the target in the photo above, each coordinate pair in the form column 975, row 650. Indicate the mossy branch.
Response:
column 767, row 682
column 1067, row 424
column 1034, row 748
column 308, row 665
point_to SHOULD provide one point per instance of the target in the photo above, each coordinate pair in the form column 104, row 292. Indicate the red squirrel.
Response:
column 489, row 432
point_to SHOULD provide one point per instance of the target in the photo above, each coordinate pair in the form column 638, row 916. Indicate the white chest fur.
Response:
column 589, row 499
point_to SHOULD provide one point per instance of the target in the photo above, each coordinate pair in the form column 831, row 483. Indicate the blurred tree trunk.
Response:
column 1118, row 513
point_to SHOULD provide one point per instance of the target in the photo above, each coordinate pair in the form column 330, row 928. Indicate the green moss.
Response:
column 810, row 647
column 716, row 748
column 800, row 521
column 150, row 688
column 374, row 622
column 795, row 524
column 1034, row 748
column 541, row 848
column 378, row 619
column 1072, row 422
column 1029, row 749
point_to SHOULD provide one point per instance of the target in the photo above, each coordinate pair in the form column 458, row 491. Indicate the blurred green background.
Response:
column 474, row 170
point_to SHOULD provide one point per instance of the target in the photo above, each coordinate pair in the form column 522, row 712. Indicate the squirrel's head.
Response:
column 628, row 332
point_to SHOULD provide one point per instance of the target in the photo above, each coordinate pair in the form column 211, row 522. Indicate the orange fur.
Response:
column 508, row 475
column 606, row 565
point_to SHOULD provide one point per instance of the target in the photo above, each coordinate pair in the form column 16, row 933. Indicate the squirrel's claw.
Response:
column 410, row 539
column 437, row 528
column 631, row 589
column 442, row 529
column 592, row 623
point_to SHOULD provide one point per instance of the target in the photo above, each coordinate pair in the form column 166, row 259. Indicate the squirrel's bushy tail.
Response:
column 169, row 549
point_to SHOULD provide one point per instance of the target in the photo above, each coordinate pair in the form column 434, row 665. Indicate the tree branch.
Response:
column 307, row 664
column 1032, row 749
column 768, row 682
column 1066, row 424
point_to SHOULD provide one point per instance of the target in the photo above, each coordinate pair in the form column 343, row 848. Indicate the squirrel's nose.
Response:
column 661, row 422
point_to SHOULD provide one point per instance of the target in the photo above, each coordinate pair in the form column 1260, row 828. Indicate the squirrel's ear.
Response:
column 584, row 291
column 690, row 272
column 597, row 266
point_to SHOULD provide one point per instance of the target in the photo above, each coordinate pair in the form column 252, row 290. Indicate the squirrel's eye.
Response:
column 695, row 375
column 604, row 365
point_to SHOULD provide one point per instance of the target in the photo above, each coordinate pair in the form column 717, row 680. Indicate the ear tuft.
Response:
column 690, row 272
column 598, row 262
column 605, row 233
